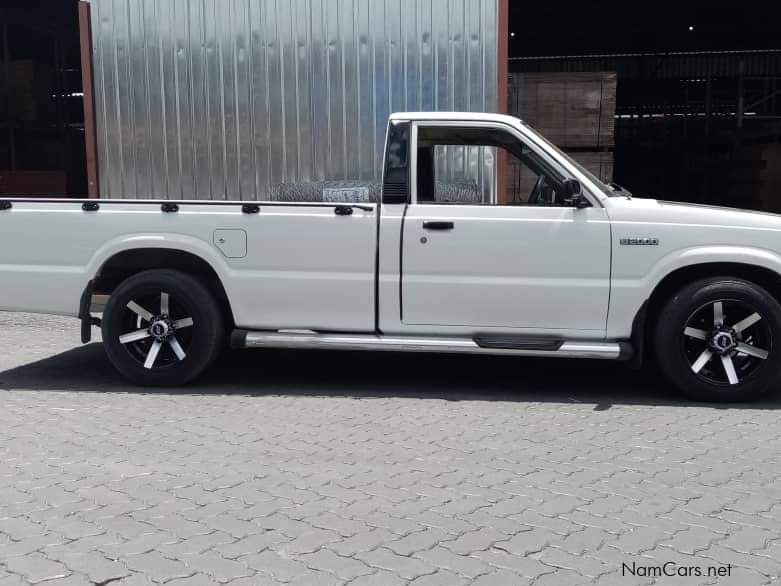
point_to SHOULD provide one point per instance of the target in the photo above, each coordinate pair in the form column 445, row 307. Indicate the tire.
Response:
column 169, row 310
column 719, row 339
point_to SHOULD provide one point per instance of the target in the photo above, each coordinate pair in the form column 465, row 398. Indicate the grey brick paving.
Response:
column 308, row 468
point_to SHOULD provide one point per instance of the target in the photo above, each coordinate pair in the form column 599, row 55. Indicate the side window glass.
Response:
column 529, row 182
column 482, row 166
column 464, row 174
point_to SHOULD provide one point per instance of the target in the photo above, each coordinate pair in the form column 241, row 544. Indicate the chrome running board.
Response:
column 336, row 341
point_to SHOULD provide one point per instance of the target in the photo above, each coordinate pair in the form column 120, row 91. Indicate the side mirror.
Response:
column 573, row 194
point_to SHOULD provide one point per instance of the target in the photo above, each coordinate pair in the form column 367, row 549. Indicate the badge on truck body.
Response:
column 639, row 242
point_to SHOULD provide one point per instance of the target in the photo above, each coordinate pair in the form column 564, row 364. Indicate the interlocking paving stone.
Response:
column 345, row 568
column 139, row 545
column 364, row 541
column 477, row 540
column 440, row 578
column 72, row 580
column 379, row 578
column 525, row 543
column 27, row 545
column 562, row 578
column 36, row 568
column 406, row 567
column 459, row 564
column 315, row 579
column 639, row 539
column 196, row 580
column 95, row 566
column 134, row 580
column 199, row 544
column 271, row 472
column 524, row 565
column 419, row 541
column 584, row 565
column 20, row 528
column 271, row 563
column 157, row 567
column 249, row 545
column 218, row 568
column 501, row 578
column 692, row 540
column 309, row 542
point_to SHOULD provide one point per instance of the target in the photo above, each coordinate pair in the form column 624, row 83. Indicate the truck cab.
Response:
column 499, row 259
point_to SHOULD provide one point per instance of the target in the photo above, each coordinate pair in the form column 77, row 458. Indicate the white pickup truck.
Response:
column 565, row 267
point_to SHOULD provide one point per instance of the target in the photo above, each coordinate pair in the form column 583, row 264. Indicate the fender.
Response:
column 628, row 296
column 178, row 242
column 746, row 255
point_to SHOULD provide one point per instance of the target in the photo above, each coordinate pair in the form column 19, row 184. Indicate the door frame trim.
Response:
column 532, row 144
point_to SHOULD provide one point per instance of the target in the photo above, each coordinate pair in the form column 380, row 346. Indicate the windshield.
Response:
column 606, row 189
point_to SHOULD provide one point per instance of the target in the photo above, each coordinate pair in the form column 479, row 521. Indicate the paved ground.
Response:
column 310, row 468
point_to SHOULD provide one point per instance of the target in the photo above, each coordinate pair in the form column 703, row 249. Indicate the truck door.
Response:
column 525, row 258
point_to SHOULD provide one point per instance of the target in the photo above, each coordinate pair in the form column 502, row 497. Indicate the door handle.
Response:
column 431, row 225
column 343, row 210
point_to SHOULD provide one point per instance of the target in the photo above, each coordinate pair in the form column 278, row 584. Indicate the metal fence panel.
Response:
column 228, row 99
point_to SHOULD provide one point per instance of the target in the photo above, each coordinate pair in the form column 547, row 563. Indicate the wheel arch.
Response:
column 642, row 327
column 125, row 263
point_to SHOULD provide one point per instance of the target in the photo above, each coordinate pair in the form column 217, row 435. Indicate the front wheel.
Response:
column 162, row 328
column 719, row 339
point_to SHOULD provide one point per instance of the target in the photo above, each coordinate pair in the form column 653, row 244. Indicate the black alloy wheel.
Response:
column 162, row 327
column 719, row 339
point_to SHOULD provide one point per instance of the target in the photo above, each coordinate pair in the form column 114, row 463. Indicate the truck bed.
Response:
column 281, row 263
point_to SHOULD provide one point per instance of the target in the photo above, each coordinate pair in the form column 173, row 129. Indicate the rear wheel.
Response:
column 162, row 327
column 719, row 340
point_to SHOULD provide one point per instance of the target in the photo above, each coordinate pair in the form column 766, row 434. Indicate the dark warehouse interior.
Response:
column 698, row 98
column 41, row 107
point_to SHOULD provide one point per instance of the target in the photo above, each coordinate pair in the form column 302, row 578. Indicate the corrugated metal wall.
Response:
column 226, row 99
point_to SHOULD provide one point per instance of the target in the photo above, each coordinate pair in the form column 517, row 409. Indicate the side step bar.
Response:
column 335, row 341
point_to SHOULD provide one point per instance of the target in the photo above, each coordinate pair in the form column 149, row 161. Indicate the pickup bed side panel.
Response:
column 305, row 266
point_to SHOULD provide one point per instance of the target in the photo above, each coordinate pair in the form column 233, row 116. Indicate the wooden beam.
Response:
column 502, row 97
column 503, row 57
column 87, row 82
